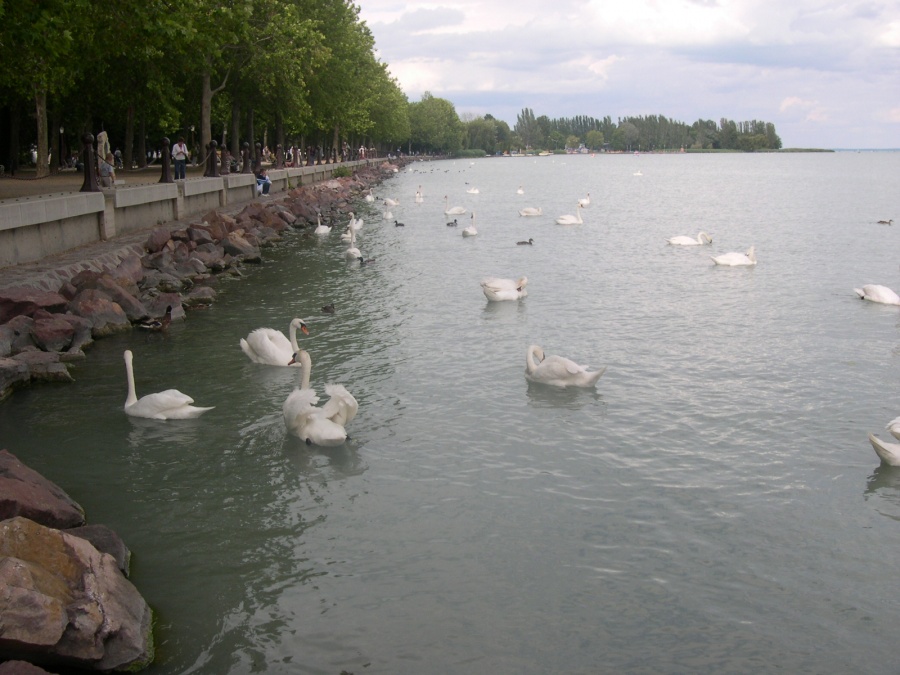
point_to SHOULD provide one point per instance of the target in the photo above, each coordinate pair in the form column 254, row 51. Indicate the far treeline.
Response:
column 291, row 72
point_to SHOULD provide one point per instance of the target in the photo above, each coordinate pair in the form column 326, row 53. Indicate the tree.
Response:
column 528, row 129
column 434, row 125
column 573, row 141
column 594, row 139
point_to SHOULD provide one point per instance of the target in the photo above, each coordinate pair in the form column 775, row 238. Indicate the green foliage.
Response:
column 434, row 126
column 471, row 153
column 341, row 172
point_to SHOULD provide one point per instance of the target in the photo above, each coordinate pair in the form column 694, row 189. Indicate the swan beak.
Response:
column 293, row 360
column 304, row 329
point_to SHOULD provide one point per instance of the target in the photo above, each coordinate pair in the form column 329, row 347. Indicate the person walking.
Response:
column 180, row 154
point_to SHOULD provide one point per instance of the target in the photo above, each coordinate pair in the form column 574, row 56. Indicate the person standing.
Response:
column 107, row 171
column 180, row 154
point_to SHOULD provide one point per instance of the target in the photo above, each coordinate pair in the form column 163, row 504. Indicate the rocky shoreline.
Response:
column 42, row 330
column 65, row 600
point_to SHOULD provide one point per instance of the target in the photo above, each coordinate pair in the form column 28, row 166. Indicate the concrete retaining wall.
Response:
column 33, row 228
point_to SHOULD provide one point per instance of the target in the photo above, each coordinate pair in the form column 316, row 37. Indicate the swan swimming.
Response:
column 391, row 202
column 454, row 211
column 318, row 426
column 531, row 211
column 571, row 220
column 684, row 240
column 470, row 231
column 320, row 228
column 497, row 290
column 877, row 293
column 888, row 452
column 586, row 201
column 520, row 191
column 170, row 404
column 558, row 370
column 736, row 259
column 270, row 347
column 352, row 253
column 473, row 191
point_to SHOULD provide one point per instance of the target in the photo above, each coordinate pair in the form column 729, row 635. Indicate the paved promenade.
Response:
column 50, row 273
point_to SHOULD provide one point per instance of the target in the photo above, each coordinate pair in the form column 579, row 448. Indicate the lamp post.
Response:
column 193, row 154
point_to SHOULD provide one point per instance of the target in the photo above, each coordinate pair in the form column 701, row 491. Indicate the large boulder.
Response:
column 157, row 239
column 12, row 374
column 106, row 316
column 44, row 366
column 21, row 668
column 105, row 540
column 236, row 244
column 24, row 492
column 65, row 603
column 25, row 300
column 22, row 327
column 51, row 332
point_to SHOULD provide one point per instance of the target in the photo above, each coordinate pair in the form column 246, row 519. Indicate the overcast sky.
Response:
column 825, row 72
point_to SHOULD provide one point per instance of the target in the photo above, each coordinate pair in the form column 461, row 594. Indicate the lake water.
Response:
column 713, row 506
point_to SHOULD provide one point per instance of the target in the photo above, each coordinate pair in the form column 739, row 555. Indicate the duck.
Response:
column 531, row 211
column 877, row 293
column 525, row 243
column 329, row 308
column 586, row 201
column 736, row 259
column 452, row 211
column 888, row 452
column 157, row 324
column 270, row 347
column 452, row 223
column 470, row 231
column 886, row 222
column 684, row 240
column 570, row 219
column 365, row 261
column 557, row 371
column 170, row 404
column 396, row 224
column 497, row 290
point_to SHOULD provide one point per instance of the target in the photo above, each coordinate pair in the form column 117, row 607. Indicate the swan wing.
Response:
column 341, row 406
column 683, row 240
column 267, row 346
column 894, row 427
column 170, row 404
column 562, row 372
column 888, row 452
column 733, row 259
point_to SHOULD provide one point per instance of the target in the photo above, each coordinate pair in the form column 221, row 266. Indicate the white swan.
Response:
column 684, row 240
column 531, row 211
column 473, row 191
column 520, row 191
column 736, row 259
column 558, row 370
column 571, row 220
column 170, row 404
column 347, row 235
column 586, row 201
column 470, row 231
column 497, row 290
column 387, row 215
column 391, row 202
column 352, row 253
column 320, row 228
column 894, row 427
column 369, row 197
column 318, row 426
column 877, row 293
column 419, row 198
column 270, row 347
column 355, row 223
column 455, row 211
column 888, row 452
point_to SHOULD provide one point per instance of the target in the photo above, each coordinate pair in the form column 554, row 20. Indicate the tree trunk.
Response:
column 205, row 115
column 252, row 136
column 129, row 138
column 235, row 129
column 279, row 131
column 142, row 144
column 40, row 116
column 55, row 149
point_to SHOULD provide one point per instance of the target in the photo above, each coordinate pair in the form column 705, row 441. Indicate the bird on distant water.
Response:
column 886, row 222
column 329, row 308
column 158, row 324
column 525, row 243
column 396, row 224
column 453, row 223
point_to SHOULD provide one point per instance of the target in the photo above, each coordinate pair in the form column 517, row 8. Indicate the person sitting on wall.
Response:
column 263, row 182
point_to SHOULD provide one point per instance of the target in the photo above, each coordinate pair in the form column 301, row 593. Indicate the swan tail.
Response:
column 884, row 452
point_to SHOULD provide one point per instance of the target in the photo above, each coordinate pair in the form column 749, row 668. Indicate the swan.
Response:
column 736, row 259
column 170, row 404
column 473, row 191
column 391, row 202
column 314, row 425
column 894, row 427
column 876, row 293
column 684, row 240
column 470, row 231
column 269, row 346
column 520, row 191
column 571, row 220
column 419, row 198
column 558, row 370
column 387, row 215
column 586, row 201
column 525, row 243
column 886, row 222
column 369, row 196
column 320, row 228
column 355, row 223
column 352, row 253
column 888, row 452
column 347, row 235
column 496, row 290
column 531, row 211
column 455, row 211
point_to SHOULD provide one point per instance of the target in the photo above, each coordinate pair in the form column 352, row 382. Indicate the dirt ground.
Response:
column 24, row 184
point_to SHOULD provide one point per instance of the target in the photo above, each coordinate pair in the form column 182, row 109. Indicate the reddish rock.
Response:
column 44, row 366
column 24, row 492
column 157, row 240
column 12, row 374
column 22, row 327
column 72, row 605
column 235, row 244
column 51, row 332
column 105, row 540
column 26, row 301
column 106, row 316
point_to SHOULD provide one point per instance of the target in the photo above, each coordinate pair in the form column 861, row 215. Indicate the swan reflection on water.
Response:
column 339, row 461
column 572, row 398
column 884, row 483
column 147, row 432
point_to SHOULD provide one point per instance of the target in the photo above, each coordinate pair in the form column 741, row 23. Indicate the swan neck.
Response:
column 292, row 331
column 131, row 399
column 535, row 355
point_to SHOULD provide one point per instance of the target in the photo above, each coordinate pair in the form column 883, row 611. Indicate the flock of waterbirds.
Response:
column 325, row 425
